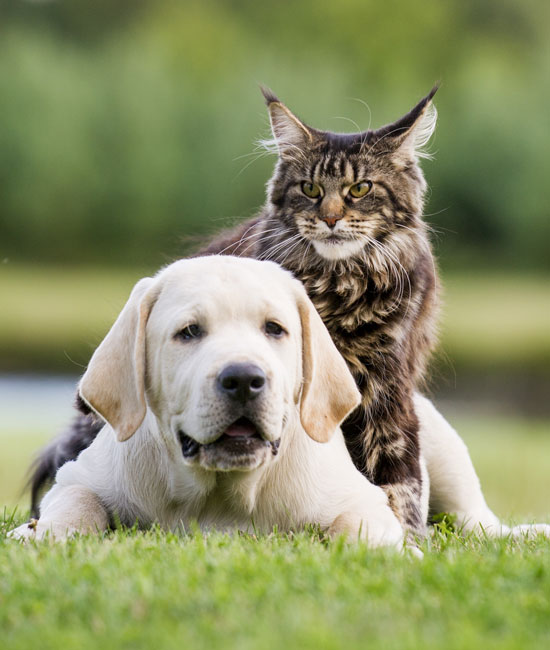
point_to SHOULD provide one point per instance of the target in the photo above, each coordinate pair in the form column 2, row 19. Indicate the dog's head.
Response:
column 224, row 351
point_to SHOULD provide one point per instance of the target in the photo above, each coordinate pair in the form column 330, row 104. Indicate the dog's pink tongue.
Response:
column 240, row 429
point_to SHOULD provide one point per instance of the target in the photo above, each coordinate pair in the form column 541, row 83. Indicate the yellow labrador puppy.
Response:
column 223, row 394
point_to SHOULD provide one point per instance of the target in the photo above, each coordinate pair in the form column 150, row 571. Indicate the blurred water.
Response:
column 35, row 404
column 44, row 404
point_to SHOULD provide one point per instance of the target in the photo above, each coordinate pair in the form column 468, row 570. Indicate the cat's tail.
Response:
column 66, row 447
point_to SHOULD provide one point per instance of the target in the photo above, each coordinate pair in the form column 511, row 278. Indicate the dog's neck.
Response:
column 273, row 493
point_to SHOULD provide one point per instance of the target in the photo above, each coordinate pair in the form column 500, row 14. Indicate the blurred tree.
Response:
column 128, row 126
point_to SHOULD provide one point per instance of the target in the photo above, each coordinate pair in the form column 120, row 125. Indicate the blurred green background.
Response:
column 126, row 125
column 127, row 135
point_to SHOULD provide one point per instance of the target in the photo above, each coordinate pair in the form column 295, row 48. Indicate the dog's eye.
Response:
column 192, row 331
column 274, row 329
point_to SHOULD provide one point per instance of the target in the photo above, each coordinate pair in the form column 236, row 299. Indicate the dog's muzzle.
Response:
column 240, row 446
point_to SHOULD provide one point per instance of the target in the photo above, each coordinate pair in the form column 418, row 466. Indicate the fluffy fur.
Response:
column 367, row 266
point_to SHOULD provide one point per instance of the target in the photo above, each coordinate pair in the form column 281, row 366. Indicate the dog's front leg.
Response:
column 63, row 512
column 454, row 484
column 369, row 519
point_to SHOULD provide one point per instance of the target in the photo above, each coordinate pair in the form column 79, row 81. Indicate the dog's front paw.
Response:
column 37, row 529
column 24, row 532
column 529, row 531
column 377, row 529
column 413, row 551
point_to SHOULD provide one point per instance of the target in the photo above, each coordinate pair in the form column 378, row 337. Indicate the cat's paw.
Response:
column 414, row 551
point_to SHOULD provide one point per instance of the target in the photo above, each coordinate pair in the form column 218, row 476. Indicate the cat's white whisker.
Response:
column 357, row 99
column 256, row 155
column 403, row 275
column 255, row 236
column 238, row 242
column 271, row 252
column 290, row 251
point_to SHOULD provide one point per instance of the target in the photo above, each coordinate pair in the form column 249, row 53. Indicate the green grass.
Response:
column 157, row 590
column 53, row 318
column 16, row 454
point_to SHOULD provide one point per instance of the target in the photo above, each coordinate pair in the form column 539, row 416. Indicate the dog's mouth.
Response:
column 240, row 446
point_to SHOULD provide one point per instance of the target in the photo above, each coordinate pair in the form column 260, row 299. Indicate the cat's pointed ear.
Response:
column 290, row 133
column 409, row 135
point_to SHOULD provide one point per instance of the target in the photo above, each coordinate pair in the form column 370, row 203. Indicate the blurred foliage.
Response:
column 53, row 317
column 128, row 126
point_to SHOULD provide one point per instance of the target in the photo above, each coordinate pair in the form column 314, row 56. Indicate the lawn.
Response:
column 156, row 590
column 497, row 320
column 53, row 318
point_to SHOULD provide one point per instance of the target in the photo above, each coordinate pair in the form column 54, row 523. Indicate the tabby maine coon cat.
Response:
column 343, row 213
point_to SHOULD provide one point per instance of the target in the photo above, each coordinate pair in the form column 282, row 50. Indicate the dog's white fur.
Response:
column 452, row 482
column 149, row 385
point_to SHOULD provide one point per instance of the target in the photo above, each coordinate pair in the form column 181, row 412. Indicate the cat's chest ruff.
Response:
column 341, row 299
column 356, row 302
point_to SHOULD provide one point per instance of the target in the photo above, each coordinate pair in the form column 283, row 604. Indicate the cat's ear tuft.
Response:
column 409, row 135
column 269, row 96
column 289, row 133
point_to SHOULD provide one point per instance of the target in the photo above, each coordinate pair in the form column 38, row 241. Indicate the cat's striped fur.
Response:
column 367, row 265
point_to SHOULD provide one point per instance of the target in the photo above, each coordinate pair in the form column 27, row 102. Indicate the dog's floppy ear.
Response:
column 114, row 382
column 329, row 392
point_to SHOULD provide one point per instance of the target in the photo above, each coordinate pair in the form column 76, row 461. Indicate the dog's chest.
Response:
column 226, row 505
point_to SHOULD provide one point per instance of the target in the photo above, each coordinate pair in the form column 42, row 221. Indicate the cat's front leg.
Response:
column 398, row 472
column 405, row 499
column 384, row 445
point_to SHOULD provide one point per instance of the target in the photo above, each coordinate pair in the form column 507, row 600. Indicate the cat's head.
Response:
column 342, row 191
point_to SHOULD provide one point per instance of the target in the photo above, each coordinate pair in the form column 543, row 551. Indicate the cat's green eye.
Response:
column 311, row 190
column 359, row 190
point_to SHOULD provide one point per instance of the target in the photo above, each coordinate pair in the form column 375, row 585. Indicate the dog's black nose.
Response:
column 241, row 381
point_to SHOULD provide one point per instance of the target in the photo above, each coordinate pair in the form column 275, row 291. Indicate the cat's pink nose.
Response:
column 331, row 221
